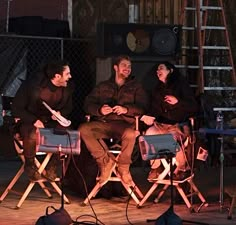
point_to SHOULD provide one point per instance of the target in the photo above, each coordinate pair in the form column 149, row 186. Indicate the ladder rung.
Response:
column 217, row 67
column 215, row 88
column 205, row 67
column 188, row 28
column 207, row 47
column 212, row 28
column 204, row 8
column 211, row 8
column 203, row 28
column 219, row 88
column 224, row 109
column 190, row 8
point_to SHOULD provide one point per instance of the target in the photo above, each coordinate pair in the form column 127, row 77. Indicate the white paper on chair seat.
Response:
column 157, row 146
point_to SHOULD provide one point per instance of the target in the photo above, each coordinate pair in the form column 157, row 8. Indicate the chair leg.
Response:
column 199, row 194
column 231, row 208
column 184, row 197
column 58, row 190
column 45, row 189
column 12, row 183
column 132, row 191
column 161, row 193
column 27, row 191
column 92, row 194
column 148, row 194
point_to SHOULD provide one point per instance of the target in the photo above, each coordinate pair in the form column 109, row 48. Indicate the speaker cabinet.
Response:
column 39, row 26
column 138, row 39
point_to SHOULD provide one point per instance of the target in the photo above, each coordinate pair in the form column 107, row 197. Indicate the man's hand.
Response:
column 39, row 124
column 54, row 117
column 171, row 99
column 119, row 110
column 106, row 109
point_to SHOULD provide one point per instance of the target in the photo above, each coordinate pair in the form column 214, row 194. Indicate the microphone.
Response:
column 60, row 119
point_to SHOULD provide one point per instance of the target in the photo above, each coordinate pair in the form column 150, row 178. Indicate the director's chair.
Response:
column 48, row 143
column 132, row 190
column 159, row 147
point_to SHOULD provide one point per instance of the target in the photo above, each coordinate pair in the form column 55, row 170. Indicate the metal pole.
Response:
column 8, row 12
column 221, row 172
column 62, row 49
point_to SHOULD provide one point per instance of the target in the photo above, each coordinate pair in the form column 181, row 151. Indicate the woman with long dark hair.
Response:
column 172, row 103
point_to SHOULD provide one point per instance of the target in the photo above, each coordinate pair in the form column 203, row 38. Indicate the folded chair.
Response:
column 159, row 147
column 41, row 169
column 133, row 190
column 45, row 150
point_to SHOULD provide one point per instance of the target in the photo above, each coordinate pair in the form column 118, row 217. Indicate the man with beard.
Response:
column 52, row 87
column 113, row 105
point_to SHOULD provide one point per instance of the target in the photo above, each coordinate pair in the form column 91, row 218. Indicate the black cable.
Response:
column 97, row 221
column 85, row 186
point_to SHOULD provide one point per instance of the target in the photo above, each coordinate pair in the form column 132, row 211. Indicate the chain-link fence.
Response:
column 21, row 56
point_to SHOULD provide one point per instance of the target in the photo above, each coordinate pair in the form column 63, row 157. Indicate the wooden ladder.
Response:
column 211, row 45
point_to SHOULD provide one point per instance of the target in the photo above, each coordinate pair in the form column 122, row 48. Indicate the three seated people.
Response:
column 113, row 105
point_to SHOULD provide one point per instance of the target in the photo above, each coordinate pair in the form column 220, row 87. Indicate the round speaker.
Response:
column 138, row 41
column 164, row 41
column 117, row 40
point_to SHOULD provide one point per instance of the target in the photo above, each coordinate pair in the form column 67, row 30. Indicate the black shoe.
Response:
column 32, row 172
column 51, row 173
column 182, row 175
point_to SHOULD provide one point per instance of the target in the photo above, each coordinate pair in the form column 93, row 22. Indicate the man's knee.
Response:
column 129, row 133
column 151, row 131
column 84, row 128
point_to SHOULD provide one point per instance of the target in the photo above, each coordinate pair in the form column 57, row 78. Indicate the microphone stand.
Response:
column 62, row 159
column 170, row 211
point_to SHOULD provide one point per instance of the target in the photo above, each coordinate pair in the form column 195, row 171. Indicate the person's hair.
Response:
column 118, row 59
column 55, row 67
column 174, row 72
column 168, row 65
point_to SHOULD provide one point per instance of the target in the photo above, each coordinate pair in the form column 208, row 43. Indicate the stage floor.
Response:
column 116, row 211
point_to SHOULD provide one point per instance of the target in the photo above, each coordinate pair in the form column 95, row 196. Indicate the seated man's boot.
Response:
column 51, row 169
column 124, row 173
column 31, row 169
column 105, row 165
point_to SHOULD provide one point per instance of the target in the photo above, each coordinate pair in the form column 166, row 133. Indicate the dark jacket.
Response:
column 27, row 104
column 130, row 95
column 180, row 112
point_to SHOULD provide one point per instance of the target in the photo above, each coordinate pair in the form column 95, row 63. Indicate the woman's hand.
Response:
column 171, row 99
column 149, row 120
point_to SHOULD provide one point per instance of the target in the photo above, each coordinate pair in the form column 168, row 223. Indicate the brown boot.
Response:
column 105, row 165
column 31, row 170
column 123, row 171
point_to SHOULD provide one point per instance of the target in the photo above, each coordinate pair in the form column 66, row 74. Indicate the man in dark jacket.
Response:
column 172, row 103
column 114, row 104
column 52, row 87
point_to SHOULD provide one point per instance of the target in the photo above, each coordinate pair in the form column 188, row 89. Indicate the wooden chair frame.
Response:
column 133, row 190
column 41, row 170
column 162, row 180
